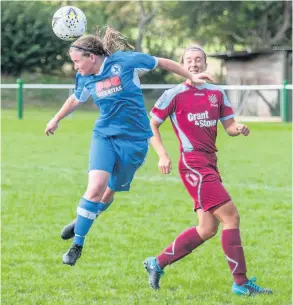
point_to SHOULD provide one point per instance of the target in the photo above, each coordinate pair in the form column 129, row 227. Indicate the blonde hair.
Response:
column 100, row 44
column 193, row 47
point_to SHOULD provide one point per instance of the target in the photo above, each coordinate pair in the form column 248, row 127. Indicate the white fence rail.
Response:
column 152, row 86
column 276, row 97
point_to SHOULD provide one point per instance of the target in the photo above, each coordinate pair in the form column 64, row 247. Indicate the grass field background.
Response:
column 44, row 177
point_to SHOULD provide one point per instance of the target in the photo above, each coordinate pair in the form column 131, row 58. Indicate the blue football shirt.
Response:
column 116, row 91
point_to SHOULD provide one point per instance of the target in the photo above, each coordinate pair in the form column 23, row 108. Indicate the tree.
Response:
column 160, row 28
column 28, row 43
column 232, row 25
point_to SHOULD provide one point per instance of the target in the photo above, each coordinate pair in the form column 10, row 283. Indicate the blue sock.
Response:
column 86, row 214
column 103, row 207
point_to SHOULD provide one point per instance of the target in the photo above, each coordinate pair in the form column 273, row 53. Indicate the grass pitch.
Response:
column 44, row 177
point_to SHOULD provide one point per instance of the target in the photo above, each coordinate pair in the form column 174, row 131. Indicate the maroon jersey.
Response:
column 194, row 112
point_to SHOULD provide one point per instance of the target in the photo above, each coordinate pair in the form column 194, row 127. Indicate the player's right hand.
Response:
column 165, row 165
column 51, row 127
column 200, row 78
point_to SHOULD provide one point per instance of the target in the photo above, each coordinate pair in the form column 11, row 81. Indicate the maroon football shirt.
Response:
column 194, row 112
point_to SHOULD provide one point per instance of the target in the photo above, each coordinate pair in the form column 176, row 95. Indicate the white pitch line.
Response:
column 254, row 186
column 152, row 179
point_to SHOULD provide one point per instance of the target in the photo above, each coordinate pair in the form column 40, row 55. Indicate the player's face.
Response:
column 83, row 64
column 194, row 61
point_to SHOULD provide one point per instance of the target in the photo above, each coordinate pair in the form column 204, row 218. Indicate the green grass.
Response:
column 44, row 177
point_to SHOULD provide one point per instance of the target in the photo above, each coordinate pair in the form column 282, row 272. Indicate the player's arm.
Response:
column 165, row 163
column 234, row 129
column 176, row 68
column 68, row 107
column 144, row 62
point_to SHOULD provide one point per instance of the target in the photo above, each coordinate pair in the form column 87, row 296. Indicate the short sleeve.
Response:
column 226, row 111
column 142, row 61
column 81, row 93
column 164, row 107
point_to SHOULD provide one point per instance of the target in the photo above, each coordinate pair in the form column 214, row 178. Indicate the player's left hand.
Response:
column 243, row 129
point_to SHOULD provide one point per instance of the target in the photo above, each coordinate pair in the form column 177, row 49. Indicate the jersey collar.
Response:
column 203, row 86
column 102, row 66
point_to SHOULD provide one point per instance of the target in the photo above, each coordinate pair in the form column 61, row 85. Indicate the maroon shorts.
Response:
column 199, row 173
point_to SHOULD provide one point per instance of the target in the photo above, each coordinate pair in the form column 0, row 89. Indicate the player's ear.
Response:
column 206, row 66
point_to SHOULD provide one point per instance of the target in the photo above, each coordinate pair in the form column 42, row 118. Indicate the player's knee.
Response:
column 108, row 196
column 95, row 192
column 211, row 232
column 207, row 232
column 91, row 196
column 233, row 220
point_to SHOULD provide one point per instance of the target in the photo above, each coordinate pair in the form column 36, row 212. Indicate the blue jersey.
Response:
column 116, row 91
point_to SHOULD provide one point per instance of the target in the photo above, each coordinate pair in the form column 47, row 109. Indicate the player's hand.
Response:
column 201, row 78
column 165, row 165
column 243, row 129
column 51, row 127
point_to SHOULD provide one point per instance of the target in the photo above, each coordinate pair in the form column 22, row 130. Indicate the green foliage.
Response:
column 43, row 179
column 160, row 28
column 28, row 42
column 236, row 25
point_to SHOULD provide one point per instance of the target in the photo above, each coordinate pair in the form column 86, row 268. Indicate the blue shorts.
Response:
column 119, row 157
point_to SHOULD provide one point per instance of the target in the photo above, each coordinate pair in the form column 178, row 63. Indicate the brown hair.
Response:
column 100, row 44
column 193, row 47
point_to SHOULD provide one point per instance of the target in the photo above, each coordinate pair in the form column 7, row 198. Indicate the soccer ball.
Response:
column 69, row 23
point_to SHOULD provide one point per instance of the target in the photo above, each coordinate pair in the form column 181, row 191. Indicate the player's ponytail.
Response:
column 100, row 44
column 113, row 40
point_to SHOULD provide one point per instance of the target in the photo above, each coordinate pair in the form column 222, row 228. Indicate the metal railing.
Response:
column 283, row 87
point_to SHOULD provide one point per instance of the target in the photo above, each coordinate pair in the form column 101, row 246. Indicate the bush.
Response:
column 28, row 41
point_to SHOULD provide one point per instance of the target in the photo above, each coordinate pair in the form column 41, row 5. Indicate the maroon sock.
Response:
column 183, row 245
column 232, row 247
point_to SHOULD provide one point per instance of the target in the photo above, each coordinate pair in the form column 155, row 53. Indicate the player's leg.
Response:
column 107, row 199
column 228, row 215
column 197, row 181
column 131, row 156
column 189, row 239
column 108, row 196
column 208, row 224
column 102, row 161
column 184, row 244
